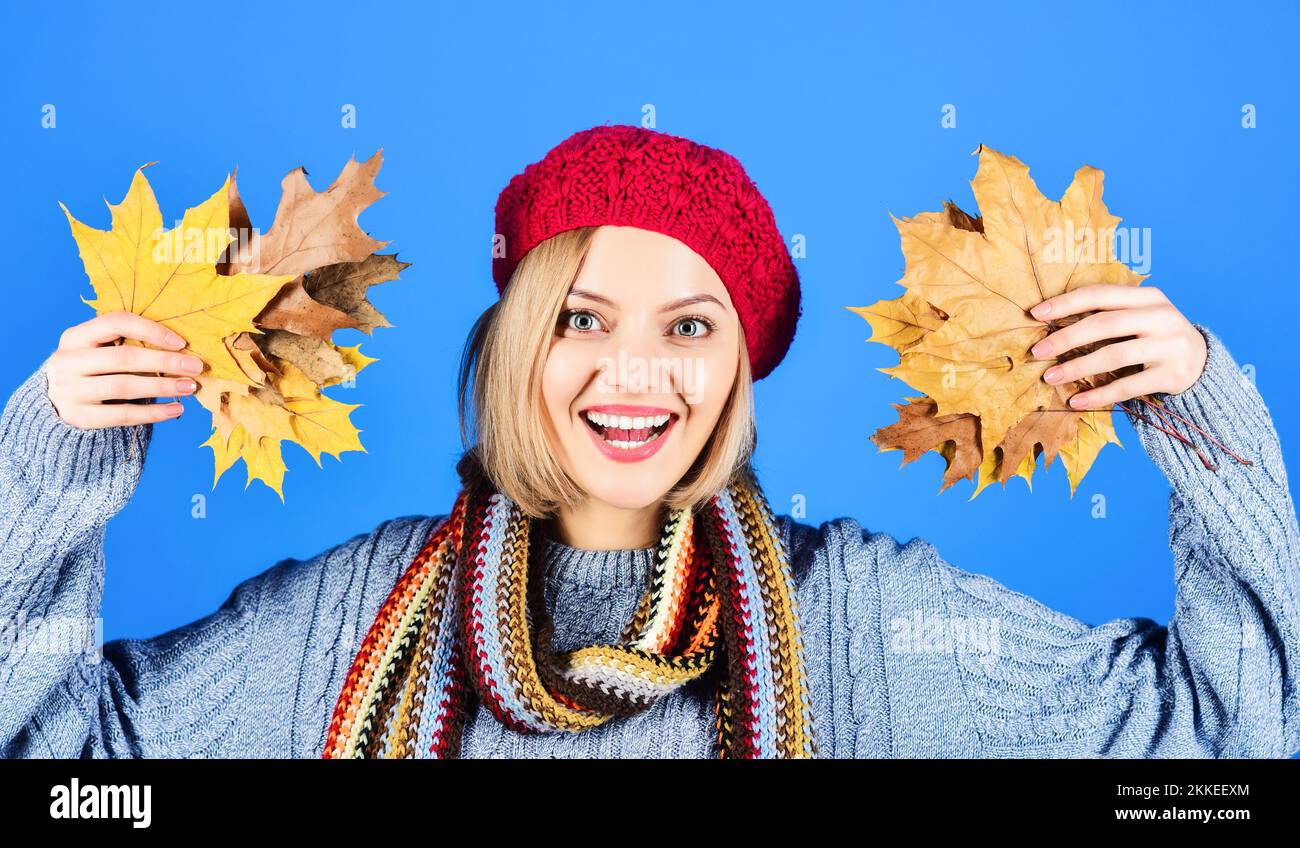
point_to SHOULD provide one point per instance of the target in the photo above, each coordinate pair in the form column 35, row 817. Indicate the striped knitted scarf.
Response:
column 467, row 619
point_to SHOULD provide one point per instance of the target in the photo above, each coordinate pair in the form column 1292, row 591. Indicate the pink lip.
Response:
column 636, row 454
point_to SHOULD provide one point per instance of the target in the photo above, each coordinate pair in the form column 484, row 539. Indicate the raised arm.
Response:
column 59, row 486
column 1221, row 679
column 71, row 454
column 256, row 677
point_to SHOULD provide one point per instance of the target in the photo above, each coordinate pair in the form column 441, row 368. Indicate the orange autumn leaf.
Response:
column 963, row 331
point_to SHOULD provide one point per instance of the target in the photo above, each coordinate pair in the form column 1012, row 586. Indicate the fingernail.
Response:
column 1078, row 401
column 192, row 365
column 186, row 386
column 1042, row 349
column 1042, row 310
column 176, row 413
column 175, row 341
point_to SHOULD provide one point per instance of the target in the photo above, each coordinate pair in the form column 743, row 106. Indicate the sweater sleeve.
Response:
column 59, row 486
column 241, row 681
column 1220, row 679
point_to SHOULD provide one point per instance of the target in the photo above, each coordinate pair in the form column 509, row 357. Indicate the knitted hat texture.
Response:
column 633, row 176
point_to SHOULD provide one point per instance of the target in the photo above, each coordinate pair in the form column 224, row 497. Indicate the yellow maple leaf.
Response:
column 901, row 322
column 169, row 276
column 990, row 468
column 1095, row 431
column 253, row 421
column 963, row 328
column 354, row 357
column 261, row 456
column 257, row 400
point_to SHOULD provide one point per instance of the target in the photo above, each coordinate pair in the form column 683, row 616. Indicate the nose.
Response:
column 638, row 362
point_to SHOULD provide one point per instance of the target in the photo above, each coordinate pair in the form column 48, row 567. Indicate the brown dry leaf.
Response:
column 919, row 429
column 244, row 343
column 982, row 275
column 311, row 229
column 294, row 310
column 322, row 362
column 316, row 233
column 961, row 220
column 1052, row 429
column 238, row 346
column 293, row 357
column 344, row 286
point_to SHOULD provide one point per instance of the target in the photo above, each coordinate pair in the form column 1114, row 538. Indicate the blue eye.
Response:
column 700, row 326
column 580, row 320
column 586, row 321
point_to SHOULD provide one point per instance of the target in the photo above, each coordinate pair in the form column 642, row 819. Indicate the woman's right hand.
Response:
column 89, row 375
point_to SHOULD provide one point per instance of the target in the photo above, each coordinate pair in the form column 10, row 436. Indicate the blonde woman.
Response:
column 610, row 580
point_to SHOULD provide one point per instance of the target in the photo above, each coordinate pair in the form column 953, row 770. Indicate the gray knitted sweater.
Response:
column 989, row 672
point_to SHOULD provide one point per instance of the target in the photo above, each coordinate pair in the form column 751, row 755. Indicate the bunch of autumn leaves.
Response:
column 963, row 329
column 260, row 308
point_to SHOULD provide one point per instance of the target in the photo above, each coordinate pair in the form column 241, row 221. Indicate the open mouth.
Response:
column 628, row 432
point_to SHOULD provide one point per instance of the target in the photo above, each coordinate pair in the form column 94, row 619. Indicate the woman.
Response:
column 610, row 581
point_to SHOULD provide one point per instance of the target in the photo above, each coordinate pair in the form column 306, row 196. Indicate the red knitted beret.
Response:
column 637, row 177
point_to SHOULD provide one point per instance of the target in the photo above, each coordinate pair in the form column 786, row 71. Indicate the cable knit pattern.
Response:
column 908, row 656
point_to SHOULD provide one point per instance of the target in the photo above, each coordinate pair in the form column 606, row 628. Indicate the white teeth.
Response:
column 622, row 445
column 624, row 422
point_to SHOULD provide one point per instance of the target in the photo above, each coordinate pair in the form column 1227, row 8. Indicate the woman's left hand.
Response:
column 1170, row 350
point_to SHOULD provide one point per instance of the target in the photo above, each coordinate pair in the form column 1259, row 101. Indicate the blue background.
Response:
column 835, row 112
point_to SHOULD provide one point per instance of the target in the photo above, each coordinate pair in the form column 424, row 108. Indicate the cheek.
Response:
column 566, row 373
column 707, row 383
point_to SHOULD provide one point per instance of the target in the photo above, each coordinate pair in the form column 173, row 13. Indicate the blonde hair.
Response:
column 503, row 423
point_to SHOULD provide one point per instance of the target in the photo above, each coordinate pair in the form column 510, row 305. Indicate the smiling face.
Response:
column 641, row 366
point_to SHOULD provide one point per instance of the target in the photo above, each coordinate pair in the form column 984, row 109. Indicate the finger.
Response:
column 132, row 387
column 1113, row 324
column 1111, row 357
column 120, row 359
column 120, row 325
column 1119, row 391
column 1097, row 296
column 99, row 415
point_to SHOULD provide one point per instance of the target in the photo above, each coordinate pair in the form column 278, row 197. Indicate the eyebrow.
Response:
column 676, row 304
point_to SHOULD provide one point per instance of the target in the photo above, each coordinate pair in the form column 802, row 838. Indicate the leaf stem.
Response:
column 1179, row 436
column 1161, row 407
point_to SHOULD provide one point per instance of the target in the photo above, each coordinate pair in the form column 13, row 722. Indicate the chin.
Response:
column 628, row 491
